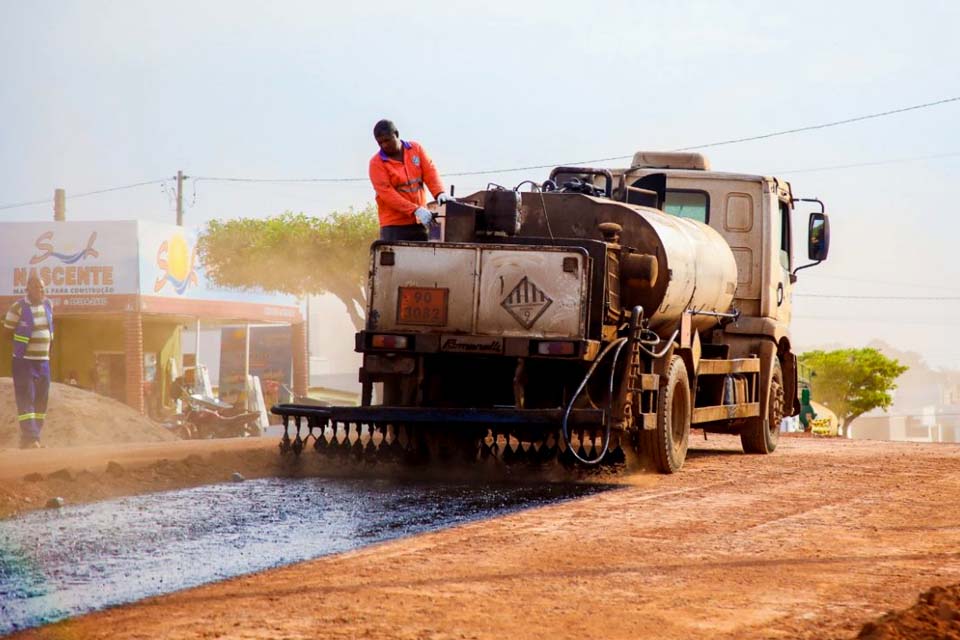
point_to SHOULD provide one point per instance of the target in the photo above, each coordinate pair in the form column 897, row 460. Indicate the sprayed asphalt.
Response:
column 61, row 563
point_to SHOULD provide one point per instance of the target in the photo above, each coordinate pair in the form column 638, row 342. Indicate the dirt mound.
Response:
column 936, row 615
column 77, row 417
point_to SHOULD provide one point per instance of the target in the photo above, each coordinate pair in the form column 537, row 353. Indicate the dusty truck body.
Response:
column 595, row 318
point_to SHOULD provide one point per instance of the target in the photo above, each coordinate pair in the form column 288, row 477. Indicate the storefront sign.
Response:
column 125, row 266
column 86, row 260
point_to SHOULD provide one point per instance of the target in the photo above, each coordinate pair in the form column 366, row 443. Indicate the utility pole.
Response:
column 180, row 178
column 59, row 205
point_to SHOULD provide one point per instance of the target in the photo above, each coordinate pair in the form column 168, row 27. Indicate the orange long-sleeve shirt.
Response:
column 400, row 185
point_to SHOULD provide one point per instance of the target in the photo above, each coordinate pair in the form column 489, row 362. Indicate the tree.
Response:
column 852, row 381
column 294, row 254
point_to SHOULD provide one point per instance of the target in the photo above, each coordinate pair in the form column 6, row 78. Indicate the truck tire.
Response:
column 761, row 434
column 666, row 446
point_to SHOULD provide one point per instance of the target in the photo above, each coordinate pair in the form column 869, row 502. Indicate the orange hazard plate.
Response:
column 422, row 305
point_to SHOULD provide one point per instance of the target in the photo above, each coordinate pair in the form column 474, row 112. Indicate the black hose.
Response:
column 608, row 418
column 662, row 352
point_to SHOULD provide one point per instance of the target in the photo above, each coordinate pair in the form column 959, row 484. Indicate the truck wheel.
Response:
column 666, row 445
column 761, row 434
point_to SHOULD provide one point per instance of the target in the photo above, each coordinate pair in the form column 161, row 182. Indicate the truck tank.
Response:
column 692, row 268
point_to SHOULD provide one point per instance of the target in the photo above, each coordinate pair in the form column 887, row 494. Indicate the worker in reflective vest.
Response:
column 401, row 173
column 31, row 319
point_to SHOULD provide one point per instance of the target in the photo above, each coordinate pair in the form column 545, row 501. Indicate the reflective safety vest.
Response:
column 24, row 330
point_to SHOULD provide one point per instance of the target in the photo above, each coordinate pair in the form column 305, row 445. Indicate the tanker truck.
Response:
column 591, row 319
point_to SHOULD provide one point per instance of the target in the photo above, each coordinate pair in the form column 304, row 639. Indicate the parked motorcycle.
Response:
column 207, row 417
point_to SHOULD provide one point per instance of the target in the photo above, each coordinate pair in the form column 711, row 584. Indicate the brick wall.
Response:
column 301, row 370
column 133, row 356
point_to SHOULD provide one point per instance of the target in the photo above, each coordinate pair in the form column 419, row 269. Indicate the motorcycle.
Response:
column 206, row 417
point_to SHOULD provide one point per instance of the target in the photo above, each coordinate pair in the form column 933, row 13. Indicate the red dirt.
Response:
column 936, row 615
column 810, row 542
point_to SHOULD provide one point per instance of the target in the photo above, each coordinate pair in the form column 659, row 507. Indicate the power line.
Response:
column 871, row 164
column 858, row 297
column 912, row 415
column 456, row 174
column 764, row 136
column 825, row 125
column 83, row 194
column 818, row 276
column 868, row 319
column 280, row 180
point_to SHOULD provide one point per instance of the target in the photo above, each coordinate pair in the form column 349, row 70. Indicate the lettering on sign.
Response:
column 422, row 306
column 464, row 344
column 68, row 277
column 45, row 246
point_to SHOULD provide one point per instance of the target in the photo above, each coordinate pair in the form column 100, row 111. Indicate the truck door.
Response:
column 784, row 293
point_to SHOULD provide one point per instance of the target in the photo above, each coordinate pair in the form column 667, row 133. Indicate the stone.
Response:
column 62, row 474
column 55, row 503
column 193, row 460
column 237, row 477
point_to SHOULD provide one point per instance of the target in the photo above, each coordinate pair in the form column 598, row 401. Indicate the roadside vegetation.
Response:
column 294, row 253
column 852, row 382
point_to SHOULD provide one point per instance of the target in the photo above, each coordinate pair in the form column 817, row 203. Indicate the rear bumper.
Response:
column 424, row 343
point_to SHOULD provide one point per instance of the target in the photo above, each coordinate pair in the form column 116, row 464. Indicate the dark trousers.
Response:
column 404, row 233
column 31, row 384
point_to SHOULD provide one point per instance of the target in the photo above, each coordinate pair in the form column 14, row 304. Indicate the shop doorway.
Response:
column 110, row 377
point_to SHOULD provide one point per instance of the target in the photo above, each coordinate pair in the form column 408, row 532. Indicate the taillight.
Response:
column 389, row 342
column 556, row 348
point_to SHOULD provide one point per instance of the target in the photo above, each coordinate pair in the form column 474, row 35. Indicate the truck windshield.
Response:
column 688, row 204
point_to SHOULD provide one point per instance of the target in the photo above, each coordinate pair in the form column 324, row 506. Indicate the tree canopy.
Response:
column 295, row 254
column 852, row 381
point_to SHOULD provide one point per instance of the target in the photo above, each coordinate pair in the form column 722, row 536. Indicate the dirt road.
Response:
column 808, row 543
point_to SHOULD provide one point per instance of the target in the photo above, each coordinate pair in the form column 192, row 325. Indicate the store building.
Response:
column 122, row 292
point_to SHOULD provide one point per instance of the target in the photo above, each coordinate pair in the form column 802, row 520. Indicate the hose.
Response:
column 653, row 343
column 618, row 343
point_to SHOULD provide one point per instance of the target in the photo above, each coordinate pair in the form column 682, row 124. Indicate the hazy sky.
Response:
column 97, row 94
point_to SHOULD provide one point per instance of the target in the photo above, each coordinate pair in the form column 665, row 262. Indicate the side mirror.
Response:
column 818, row 237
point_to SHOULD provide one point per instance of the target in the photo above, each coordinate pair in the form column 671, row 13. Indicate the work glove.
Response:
column 443, row 198
column 424, row 216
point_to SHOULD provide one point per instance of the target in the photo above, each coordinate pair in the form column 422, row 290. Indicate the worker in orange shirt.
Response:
column 401, row 172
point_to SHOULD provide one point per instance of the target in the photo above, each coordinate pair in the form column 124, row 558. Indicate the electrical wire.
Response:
column 280, row 180
column 772, row 134
column 84, row 194
column 901, row 283
column 858, row 297
column 870, row 164
column 824, row 125
column 947, row 322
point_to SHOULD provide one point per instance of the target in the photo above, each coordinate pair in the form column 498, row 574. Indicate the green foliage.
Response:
column 293, row 254
column 852, row 381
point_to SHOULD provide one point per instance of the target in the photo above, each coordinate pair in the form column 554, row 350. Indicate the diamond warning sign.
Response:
column 526, row 302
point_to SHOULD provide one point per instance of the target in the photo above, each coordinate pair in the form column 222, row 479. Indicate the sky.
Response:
column 97, row 94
